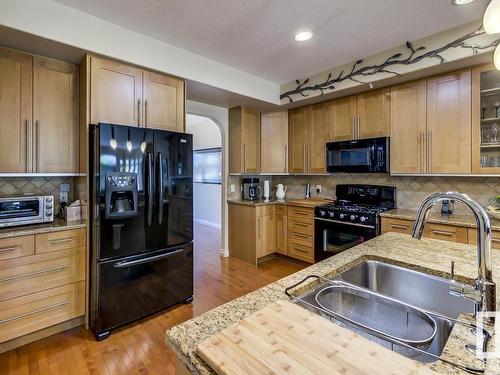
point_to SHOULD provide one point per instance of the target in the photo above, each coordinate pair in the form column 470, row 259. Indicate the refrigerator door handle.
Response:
column 131, row 263
column 160, row 189
column 150, row 189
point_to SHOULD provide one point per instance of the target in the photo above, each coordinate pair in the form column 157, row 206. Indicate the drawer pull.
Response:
column 443, row 233
column 36, row 273
column 495, row 240
column 6, row 249
column 301, row 250
column 301, row 235
column 398, row 226
column 300, row 213
column 301, row 225
column 37, row 311
column 61, row 240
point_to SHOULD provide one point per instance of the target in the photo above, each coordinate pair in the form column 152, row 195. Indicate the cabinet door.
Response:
column 340, row 114
column 15, row 111
column 274, row 142
column 163, row 102
column 374, row 116
column 115, row 93
column 318, row 134
column 250, row 133
column 449, row 123
column 242, row 231
column 281, row 230
column 297, row 140
column 55, row 113
column 408, row 128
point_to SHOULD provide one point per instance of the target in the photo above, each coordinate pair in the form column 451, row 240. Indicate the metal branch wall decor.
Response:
column 413, row 57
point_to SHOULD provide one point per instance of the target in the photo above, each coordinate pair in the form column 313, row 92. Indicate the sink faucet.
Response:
column 484, row 290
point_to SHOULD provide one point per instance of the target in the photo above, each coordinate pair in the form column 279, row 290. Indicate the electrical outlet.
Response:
column 64, row 193
column 318, row 189
column 232, row 188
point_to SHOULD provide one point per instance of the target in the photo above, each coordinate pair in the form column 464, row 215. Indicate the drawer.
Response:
column 17, row 247
column 281, row 210
column 396, row 225
column 301, row 213
column 62, row 240
column 301, row 250
column 445, row 232
column 300, row 226
column 301, row 236
column 34, row 273
column 23, row 315
column 495, row 240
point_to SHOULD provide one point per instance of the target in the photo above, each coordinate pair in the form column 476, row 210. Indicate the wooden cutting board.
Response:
column 284, row 338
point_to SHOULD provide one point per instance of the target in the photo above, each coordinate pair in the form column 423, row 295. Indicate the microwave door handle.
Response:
column 372, row 152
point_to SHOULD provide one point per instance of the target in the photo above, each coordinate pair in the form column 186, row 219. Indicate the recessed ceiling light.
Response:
column 303, row 36
column 462, row 2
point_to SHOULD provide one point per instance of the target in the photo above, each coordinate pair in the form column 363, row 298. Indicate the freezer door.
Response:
column 174, row 194
column 125, row 191
column 135, row 287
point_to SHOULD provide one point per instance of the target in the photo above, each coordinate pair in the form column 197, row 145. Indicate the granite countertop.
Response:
column 57, row 225
column 462, row 220
column 311, row 202
column 427, row 255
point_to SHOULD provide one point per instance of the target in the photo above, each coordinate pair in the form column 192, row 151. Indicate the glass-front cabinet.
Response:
column 485, row 119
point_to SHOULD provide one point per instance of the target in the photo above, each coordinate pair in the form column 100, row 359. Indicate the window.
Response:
column 208, row 166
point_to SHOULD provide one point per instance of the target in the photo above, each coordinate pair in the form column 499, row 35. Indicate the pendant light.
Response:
column 491, row 19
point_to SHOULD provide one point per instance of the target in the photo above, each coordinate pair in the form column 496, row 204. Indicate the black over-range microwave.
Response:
column 358, row 156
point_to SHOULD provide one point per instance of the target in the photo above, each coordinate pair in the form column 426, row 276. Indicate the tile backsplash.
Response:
column 36, row 186
column 411, row 190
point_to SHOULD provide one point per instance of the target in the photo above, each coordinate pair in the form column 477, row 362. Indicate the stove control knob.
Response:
column 331, row 214
column 341, row 216
column 353, row 217
column 363, row 219
column 322, row 212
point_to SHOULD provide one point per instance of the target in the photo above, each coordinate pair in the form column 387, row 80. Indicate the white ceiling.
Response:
column 256, row 36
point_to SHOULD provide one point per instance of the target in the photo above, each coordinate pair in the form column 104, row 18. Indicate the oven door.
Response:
column 359, row 156
column 19, row 211
column 332, row 237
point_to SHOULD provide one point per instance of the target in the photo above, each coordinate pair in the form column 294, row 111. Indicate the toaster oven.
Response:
column 26, row 210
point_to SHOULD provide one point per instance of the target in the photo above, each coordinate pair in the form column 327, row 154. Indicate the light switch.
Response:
column 232, row 188
column 318, row 189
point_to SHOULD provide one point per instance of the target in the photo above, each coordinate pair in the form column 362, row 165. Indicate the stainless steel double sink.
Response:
column 404, row 286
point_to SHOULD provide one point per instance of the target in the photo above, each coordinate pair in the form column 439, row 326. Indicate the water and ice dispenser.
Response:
column 121, row 195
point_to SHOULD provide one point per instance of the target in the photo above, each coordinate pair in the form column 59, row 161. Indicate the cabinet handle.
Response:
column 421, row 151
column 286, row 159
column 138, row 112
column 61, row 240
column 358, row 128
column 443, row 233
column 354, row 127
column 7, row 249
column 305, row 161
column 398, row 226
column 20, row 316
column 27, row 125
column 495, row 240
column 244, row 157
column 429, row 154
column 301, row 235
column 258, row 227
column 35, row 273
column 37, row 143
column 145, row 113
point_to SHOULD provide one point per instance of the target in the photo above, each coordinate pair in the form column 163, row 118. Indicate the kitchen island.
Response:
column 426, row 255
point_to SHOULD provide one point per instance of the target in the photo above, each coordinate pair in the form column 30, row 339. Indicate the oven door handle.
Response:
column 342, row 222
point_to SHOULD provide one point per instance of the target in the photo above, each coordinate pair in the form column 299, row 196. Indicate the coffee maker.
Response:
column 121, row 195
column 251, row 190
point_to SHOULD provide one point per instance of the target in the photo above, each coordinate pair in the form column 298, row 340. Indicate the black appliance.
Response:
column 358, row 156
column 141, row 217
column 251, row 189
column 352, row 219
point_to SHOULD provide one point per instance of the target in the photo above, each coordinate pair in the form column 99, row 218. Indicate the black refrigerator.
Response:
column 141, row 220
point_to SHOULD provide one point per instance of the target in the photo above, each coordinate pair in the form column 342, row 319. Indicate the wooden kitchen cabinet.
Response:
column 408, row 128
column 15, row 111
column 341, row 115
column 449, row 123
column 163, row 102
column 282, row 229
column 127, row 95
column 55, row 112
column 274, row 142
column 317, row 137
column 301, row 233
column 374, row 113
column 395, row 225
column 495, row 240
column 244, row 140
column 266, row 231
column 297, row 140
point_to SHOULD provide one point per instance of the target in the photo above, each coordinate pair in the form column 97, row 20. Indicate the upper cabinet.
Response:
column 318, row 133
column 449, row 123
column 16, row 99
column 38, row 114
column 366, row 115
column 485, row 119
column 274, row 142
column 127, row 95
column 408, row 128
column 244, row 140
column 297, row 140
column 55, row 112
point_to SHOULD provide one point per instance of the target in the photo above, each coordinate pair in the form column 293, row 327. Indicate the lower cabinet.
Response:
column 301, row 233
column 43, row 281
column 282, row 230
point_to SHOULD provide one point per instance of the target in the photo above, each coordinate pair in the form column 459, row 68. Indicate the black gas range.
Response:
column 352, row 219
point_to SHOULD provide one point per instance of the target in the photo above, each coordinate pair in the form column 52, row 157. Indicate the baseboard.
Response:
column 41, row 334
column 208, row 223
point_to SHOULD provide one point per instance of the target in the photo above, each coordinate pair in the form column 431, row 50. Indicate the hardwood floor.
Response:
column 140, row 348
